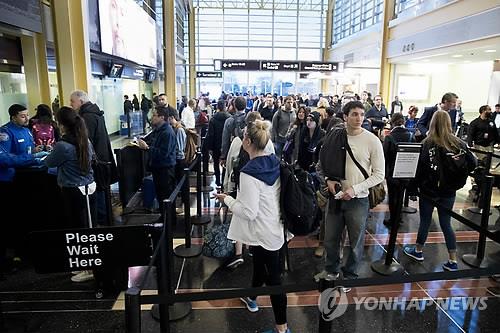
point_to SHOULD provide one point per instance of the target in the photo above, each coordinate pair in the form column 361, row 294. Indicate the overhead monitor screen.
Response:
column 127, row 31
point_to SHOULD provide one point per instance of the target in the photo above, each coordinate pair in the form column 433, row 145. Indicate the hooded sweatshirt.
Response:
column 256, row 211
column 98, row 136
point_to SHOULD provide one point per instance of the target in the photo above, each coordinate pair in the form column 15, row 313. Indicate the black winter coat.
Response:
column 98, row 136
column 215, row 130
column 398, row 134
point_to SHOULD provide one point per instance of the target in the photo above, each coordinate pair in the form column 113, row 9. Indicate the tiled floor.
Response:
column 51, row 303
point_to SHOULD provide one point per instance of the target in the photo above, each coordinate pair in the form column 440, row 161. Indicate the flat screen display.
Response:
column 115, row 70
column 127, row 31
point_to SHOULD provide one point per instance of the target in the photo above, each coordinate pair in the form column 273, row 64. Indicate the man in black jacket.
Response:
column 146, row 105
column 163, row 102
column 105, row 172
column 214, row 137
column 267, row 110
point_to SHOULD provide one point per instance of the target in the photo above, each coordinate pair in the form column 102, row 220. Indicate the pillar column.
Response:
column 36, row 70
column 71, row 46
column 169, row 51
column 385, row 66
column 325, row 83
column 192, row 52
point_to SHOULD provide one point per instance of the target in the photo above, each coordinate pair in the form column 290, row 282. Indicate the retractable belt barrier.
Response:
column 167, row 296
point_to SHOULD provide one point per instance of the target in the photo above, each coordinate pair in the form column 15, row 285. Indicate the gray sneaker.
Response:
column 326, row 276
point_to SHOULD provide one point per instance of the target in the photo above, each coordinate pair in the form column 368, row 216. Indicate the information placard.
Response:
column 406, row 160
column 85, row 249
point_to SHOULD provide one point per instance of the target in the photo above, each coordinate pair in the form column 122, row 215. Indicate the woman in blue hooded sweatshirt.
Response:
column 256, row 217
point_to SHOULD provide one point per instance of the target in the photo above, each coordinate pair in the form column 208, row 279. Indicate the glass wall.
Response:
column 251, row 29
column 12, row 90
column 352, row 16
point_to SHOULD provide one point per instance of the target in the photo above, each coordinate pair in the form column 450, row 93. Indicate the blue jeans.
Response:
column 351, row 214
column 426, row 209
column 278, row 146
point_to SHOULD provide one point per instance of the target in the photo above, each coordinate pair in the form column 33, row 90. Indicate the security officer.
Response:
column 482, row 131
column 17, row 149
column 17, row 141
column 482, row 135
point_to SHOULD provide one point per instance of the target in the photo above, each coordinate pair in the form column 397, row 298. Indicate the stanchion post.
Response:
column 132, row 310
column 481, row 197
column 389, row 266
column 324, row 326
column 168, row 311
column 395, row 224
column 187, row 250
column 187, row 209
column 476, row 260
column 198, row 183
column 165, row 269
column 204, row 172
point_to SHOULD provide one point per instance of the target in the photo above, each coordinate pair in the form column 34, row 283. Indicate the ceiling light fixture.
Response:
column 457, row 56
column 490, row 51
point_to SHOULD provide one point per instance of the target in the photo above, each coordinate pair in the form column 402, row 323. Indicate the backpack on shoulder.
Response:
column 239, row 126
column 43, row 134
column 297, row 199
column 451, row 169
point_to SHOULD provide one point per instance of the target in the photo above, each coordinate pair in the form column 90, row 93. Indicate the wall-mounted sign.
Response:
column 209, row 75
column 84, row 249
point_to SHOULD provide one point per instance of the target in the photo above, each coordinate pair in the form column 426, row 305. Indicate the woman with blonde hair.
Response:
column 256, row 217
column 321, row 108
column 441, row 151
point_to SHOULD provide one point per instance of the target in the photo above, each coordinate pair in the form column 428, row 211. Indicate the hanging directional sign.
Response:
column 275, row 65
column 209, row 75
column 239, row 65
column 279, row 65
column 315, row 66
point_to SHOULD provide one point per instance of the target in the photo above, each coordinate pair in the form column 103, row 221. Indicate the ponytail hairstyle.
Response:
column 74, row 127
column 258, row 133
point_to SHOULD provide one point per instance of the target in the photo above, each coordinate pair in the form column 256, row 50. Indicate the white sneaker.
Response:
column 75, row 272
column 83, row 276
column 179, row 211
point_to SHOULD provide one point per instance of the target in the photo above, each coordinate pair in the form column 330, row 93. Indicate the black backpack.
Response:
column 450, row 169
column 239, row 126
column 297, row 199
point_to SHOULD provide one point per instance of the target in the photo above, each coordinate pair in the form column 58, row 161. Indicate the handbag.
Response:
column 215, row 242
column 376, row 193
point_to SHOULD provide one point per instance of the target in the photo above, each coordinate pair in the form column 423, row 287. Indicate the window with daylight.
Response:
column 254, row 29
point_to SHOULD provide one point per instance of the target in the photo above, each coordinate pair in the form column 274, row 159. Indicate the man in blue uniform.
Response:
column 17, row 149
